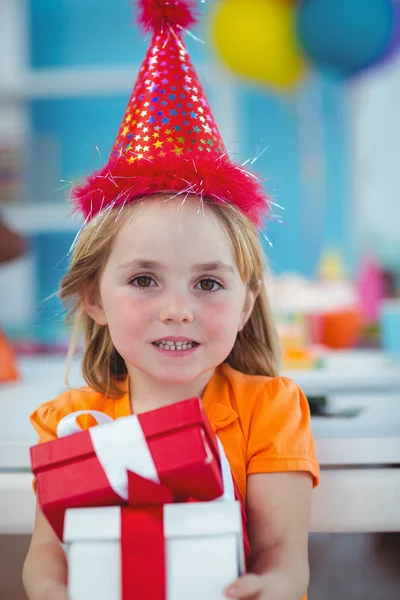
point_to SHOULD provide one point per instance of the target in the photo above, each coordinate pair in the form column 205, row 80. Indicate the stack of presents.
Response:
column 145, row 505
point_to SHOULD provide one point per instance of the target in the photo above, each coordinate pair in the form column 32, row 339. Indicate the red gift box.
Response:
column 182, row 445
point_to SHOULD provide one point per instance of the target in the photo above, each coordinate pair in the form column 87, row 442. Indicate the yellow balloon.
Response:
column 257, row 39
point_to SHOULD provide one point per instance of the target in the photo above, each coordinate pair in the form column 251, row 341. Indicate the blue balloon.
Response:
column 345, row 35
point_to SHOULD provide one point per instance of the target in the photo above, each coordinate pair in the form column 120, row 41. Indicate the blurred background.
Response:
column 304, row 92
column 307, row 93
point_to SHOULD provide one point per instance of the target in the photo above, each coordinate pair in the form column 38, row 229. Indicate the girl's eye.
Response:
column 143, row 281
column 209, row 285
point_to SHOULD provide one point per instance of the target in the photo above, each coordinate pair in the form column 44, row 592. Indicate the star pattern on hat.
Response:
column 168, row 113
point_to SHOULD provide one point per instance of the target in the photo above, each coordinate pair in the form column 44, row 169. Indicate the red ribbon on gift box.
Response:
column 143, row 554
column 142, row 540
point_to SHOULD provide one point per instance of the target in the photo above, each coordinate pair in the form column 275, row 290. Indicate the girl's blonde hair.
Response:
column 256, row 350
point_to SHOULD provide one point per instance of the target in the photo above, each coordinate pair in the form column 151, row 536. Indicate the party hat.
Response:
column 168, row 140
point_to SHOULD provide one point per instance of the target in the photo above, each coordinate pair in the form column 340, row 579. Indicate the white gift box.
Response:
column 203, row 551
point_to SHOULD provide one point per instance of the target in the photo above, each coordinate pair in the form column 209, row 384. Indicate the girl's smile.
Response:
column 176, row 347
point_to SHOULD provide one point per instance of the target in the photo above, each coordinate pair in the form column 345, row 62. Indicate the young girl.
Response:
column 167, row 280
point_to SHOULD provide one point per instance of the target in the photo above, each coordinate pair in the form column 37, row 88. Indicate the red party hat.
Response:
column 168, row 140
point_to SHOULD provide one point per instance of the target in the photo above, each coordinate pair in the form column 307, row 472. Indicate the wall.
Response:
column 301, row 138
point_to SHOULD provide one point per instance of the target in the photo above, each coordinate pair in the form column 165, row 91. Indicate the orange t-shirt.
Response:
column 262, row 422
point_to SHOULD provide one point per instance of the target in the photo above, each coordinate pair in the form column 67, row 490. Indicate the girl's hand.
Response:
column 248, row 586
column 271, row 586
column 54, row 591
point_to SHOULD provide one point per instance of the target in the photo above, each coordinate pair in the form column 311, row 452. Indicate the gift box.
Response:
column 174, row 552
column 173, row 446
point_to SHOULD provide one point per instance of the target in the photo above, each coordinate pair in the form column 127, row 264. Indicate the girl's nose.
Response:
column 176, row 310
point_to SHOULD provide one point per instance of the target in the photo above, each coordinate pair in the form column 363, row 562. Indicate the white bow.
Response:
column 121, row 446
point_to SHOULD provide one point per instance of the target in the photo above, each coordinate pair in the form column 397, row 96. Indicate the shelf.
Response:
column 70, row 83
column 39, row 217
column 78, row 82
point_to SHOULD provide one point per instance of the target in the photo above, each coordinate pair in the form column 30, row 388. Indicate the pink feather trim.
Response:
column 154, row 14
column 215, row 178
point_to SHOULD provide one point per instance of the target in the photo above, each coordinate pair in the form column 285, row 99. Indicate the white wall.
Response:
column 375, row 129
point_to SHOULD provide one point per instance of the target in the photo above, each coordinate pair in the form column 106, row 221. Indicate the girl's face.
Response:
column 171, row 293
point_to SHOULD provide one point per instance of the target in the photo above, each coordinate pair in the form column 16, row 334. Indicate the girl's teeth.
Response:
column 168, row 345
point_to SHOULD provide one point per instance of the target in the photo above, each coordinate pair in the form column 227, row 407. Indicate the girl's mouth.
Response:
column 173, row 346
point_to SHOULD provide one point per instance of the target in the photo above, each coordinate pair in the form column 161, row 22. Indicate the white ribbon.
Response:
column 69, row 424
column 121, row 446
column 227, row 480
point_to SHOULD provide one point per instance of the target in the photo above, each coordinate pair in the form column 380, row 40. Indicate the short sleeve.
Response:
column 280, row 437
column 45, row 421
column 46, row 418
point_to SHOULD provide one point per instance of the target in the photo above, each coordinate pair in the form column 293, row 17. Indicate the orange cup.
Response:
column 341, row 329
column 8, row 366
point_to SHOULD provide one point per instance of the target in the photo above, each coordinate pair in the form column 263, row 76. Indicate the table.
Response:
column 360, row 461
column 360, row 457
column 347, row 372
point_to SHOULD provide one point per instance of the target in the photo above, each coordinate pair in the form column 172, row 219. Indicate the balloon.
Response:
column 257, row 39
column 394, row 43
column 345, row 35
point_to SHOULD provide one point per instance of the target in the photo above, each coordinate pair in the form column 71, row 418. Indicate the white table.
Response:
column 360, row 457
column 347, row 372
